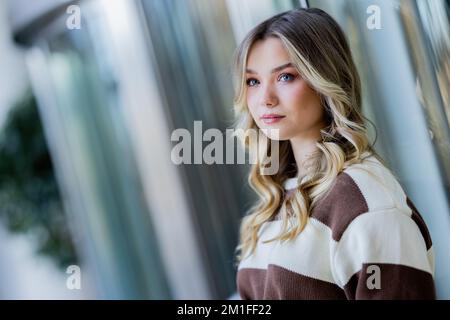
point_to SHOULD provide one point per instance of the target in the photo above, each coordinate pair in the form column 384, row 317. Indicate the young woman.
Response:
column 333, row 222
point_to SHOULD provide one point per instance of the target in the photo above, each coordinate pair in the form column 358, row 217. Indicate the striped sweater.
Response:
column 364, row 240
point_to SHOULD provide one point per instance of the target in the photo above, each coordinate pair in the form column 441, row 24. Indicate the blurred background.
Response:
column 90, row 92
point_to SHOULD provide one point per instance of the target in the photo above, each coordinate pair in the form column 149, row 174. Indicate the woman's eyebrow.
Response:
column 276, row 69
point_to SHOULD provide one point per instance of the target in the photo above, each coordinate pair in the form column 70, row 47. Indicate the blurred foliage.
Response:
column 30, row 202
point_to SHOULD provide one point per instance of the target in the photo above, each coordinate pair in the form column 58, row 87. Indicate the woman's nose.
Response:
column 268, row 97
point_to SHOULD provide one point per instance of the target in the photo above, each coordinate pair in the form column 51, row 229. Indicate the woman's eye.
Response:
column 286, row 77
column 252, row 82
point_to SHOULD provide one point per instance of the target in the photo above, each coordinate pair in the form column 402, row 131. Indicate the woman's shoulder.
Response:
column 368, row 182
column 363, row 188
column 375, row 182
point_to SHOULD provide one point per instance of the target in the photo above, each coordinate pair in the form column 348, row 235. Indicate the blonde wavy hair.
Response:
column 321, row 54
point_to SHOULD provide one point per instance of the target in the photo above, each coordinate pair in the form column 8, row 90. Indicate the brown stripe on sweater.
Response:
column 345, row 202
column 251, row 283
column 341, row 206
column 420, row 223
column 396, row 282
column 279, row 283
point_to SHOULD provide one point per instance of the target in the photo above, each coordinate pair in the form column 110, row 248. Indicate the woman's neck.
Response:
column 302, row 148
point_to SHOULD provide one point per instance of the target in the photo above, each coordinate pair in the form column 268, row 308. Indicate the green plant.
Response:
column 30, row 201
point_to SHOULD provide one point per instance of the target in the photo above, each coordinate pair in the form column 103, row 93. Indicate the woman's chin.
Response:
column 275, row 133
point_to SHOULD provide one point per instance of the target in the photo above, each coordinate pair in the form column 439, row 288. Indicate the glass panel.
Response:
column 85, row 124
column 193, row 44
column 247, row 14
column 427, row 31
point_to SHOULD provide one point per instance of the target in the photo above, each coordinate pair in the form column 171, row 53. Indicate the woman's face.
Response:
column 277, row 96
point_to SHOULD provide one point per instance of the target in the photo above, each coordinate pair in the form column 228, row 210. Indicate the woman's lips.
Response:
column 271, row 118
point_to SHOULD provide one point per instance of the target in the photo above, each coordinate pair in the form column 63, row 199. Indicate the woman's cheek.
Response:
column 252, row 106
column 292, row 94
